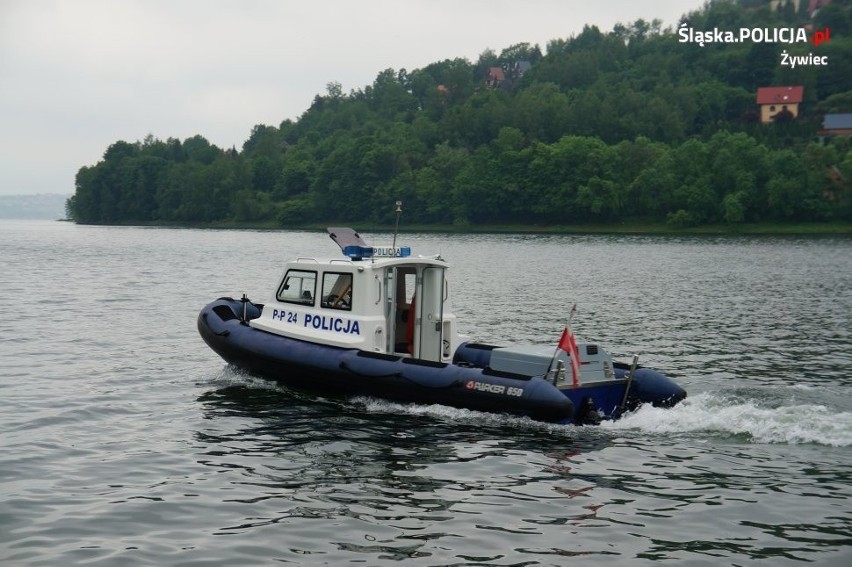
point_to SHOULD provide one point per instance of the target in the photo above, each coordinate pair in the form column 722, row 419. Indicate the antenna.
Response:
column 398, row 212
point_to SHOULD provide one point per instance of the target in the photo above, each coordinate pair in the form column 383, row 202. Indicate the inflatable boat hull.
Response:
column 223, row 324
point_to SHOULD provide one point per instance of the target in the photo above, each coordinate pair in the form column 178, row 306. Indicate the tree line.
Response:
column 604, row 127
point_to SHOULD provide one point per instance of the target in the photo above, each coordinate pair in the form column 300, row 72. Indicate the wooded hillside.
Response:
column 632, row 123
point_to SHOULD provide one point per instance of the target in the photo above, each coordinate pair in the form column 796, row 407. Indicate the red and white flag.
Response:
column 568, row 343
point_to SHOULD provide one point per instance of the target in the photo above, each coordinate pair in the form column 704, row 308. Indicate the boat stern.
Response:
column 651, row 386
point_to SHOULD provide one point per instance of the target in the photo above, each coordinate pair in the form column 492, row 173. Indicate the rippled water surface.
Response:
column 125, row 441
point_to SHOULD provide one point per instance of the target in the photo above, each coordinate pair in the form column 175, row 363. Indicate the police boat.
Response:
column 378, row 322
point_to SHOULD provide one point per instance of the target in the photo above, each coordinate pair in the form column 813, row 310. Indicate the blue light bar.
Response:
column 357, row 252
column 360, row 252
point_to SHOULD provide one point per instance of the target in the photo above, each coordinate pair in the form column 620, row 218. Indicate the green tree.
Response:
column 199, row 149
column 265, row 173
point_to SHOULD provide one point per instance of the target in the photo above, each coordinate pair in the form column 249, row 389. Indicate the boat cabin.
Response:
column 376, row 299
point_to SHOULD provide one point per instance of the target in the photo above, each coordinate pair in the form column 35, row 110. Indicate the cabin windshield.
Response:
column 337, row 290
column 299, row 286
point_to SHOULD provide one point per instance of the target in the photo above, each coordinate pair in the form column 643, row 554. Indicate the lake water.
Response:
column 126, row 441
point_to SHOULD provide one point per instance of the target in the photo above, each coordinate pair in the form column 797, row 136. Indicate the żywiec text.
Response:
column 810, row 59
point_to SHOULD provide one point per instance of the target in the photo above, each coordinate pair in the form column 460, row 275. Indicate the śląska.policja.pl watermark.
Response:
column 762, row 35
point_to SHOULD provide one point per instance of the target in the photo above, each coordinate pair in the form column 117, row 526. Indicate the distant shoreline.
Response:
column 36, row 206
column 626, row 228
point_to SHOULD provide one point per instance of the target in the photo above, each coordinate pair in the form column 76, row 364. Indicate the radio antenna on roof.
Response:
column 398, row 212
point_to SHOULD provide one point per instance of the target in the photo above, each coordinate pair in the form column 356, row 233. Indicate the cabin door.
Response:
column 428, row 328
column 401, row 285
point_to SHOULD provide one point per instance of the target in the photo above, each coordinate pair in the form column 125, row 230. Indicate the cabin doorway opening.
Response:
column 415, row 311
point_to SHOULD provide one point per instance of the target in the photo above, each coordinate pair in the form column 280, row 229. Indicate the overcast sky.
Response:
column 78, row 75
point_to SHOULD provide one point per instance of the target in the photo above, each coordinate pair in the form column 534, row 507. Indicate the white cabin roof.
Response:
column 371, row 263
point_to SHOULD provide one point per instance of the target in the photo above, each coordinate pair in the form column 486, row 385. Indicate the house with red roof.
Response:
column 495, row 77
column 777, row 100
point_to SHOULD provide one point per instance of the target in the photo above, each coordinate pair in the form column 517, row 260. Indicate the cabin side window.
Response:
column 337, row 290
column 299, row 286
